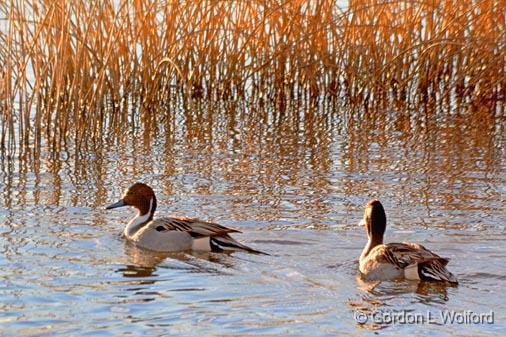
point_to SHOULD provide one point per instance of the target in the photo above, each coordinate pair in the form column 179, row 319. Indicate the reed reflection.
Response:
column 256, row 154
column 431, row 154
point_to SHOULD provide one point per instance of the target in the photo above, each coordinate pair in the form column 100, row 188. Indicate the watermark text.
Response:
column 444, row 317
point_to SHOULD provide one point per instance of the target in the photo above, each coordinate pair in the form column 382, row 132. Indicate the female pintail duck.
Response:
column 411, row 261
column 171, row 234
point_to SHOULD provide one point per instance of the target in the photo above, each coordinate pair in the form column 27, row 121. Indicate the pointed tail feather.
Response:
column 436, row 271
column 226, row 243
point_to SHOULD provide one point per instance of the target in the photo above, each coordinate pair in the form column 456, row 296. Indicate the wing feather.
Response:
column 405, row 254
column 430, row 265
column 193, row 226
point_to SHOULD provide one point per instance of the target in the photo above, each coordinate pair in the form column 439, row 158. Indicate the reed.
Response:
column 73, row 70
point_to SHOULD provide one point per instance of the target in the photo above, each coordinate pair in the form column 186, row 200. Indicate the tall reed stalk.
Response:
column 70, row 69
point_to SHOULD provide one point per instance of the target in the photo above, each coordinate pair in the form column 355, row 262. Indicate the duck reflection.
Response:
column 377, row 296
column 141, row 263
column 144, row 263
column 385, row 288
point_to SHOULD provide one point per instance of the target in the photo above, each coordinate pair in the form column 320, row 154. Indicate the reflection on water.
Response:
column 142, row 263
column 293, row 179
column 383, row 303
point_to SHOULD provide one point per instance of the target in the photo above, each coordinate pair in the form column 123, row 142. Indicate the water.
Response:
column 295, row 183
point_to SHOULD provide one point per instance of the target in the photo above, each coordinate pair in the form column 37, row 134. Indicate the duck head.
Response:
column 375, row 221
column 140, row 196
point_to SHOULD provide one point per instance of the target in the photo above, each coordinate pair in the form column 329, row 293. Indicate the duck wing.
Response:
column 193, row 226
column 407, row 253
column 206, row 235
column 417, row 261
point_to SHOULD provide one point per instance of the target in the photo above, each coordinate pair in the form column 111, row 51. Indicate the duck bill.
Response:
column 120, row 203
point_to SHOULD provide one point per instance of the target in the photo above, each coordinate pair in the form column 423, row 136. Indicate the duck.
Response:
column 406, row 260
column 175, row 233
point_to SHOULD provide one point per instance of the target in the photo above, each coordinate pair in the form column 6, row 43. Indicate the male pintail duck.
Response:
column 411, row 261
column 171, row 234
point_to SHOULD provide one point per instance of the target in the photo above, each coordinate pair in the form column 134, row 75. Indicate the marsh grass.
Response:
column 73, row 71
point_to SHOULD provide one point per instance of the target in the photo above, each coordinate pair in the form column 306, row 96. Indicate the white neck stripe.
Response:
column 136, row 223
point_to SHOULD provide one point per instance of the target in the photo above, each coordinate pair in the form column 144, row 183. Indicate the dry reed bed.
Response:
column 72, row 69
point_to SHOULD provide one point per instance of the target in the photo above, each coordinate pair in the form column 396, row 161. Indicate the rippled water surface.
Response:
column 294, row 180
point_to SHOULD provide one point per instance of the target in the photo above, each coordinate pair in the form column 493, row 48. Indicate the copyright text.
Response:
column 386, row 317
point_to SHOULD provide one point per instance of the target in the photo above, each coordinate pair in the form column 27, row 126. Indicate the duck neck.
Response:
column 371, row 243
column 142, row 218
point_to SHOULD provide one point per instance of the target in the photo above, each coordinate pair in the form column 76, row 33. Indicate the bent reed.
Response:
column 72, row 69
